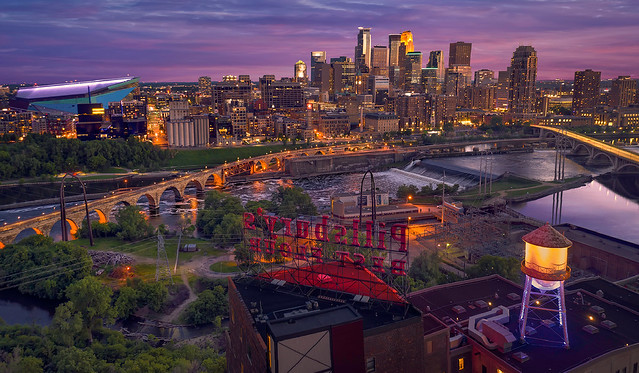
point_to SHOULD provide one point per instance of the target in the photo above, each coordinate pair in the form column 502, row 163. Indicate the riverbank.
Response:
column 511, row 188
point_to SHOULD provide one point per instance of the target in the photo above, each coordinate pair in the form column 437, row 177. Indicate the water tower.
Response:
column 545, row 265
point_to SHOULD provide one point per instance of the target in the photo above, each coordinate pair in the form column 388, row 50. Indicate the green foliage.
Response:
column 75, row 360
column 448, row 127
column 291, row 202
column 424, row 272
column 50, row 267
column 98, row 229
column 406, row 190
column 133, row 225
column 45, row 154
column 90, row 298
column 127, row 303
column 210, row 304
column 66, row 327
column 152, row 294
column 221, row 218
column 509, row 268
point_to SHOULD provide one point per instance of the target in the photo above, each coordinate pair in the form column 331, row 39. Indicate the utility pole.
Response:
column 443, row 189
column 162, row 263
column 177, row 252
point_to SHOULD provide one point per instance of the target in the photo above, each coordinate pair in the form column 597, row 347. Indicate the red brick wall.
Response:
column 398, row 347
column 246, row 351
column 607, row 265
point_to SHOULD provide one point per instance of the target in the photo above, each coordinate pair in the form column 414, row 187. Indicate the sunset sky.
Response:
column 49, row 41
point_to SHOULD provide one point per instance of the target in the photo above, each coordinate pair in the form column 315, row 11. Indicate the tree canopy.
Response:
column 40, row 155
column 509, row 268
column 291, row 202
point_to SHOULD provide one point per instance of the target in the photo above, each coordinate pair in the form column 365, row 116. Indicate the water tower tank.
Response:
column 546, row 267
column 546, row 257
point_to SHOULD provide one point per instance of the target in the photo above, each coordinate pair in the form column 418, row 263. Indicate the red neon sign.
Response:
column 314, row 234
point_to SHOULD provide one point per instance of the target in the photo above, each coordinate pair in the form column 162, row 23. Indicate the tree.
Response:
column 127, row 303
column 448, row 127
column 406, row 190
column 509, row 268
column 75, row 360
column 221, row 217
column 291, row 202
column 424, row 270
column 66, row 325
column 133, row 225
column 153, row 294
column 93, row 301
column 209, row 305
column 50, row 267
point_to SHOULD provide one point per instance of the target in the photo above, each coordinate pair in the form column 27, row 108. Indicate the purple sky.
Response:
column 49, row 41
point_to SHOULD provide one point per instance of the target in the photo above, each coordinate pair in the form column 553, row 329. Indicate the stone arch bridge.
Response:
column 298, row 163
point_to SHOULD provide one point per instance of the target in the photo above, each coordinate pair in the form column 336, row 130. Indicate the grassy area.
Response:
column 506, row 183
column 225, row 267
column 148, row 248
column 211, row 157
column 519, row 193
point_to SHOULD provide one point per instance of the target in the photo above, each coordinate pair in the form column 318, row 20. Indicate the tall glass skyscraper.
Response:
column 522, row 80
column 363, row 50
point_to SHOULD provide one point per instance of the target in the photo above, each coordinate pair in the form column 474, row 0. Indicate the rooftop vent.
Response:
column 608, row 324
column 521, row 357
column 590, row 329
column 481, row 304
column 459, row 309
column 596, row 309
column 513, row 296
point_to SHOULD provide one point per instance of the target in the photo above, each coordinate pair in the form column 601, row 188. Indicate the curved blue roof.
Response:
column 72, row 89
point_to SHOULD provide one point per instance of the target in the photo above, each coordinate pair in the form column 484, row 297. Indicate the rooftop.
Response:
column 547, row 236
column 71, row 89
column 442, row 300
column 600, row 241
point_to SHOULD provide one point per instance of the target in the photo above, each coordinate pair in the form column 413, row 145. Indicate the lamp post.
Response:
column 63, row 213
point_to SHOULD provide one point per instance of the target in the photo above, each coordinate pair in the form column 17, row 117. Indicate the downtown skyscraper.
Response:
column 363, row 50
column 523, row 74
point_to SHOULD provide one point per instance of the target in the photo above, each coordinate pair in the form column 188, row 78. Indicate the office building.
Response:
column 430, row 83
column 413, row 111
column 299, row 72
column 363, row 50
column 623, row 91
column 394, row 40
column 204, row 86
column 413, row 71
column 316, row 57
column 585, row 91
column 459, row 54
column 379, row 61
column 18, row 123
column 343, row 69
column 522, row 80
column 484, row 77
column 231, row 89
column 436, row 61
column 407, row 40
column 380, row 122
column 332, row 124
column 502, row 90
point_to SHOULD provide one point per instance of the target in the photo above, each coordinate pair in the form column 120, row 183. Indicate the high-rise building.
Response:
column 316, row 57
column 430, row 82
column 363, row 50
column 585, row 91
column 324, row 78
column 623, row 92
column 459, row 54
column 379, row 61
column 436, row 61
column 413, row 71
column 407, row 39
column 522, row 80
column 393, row 49
column 484, row 77
column 502, row 89
column 343, row 75
column 299, row 72
column 204, row 85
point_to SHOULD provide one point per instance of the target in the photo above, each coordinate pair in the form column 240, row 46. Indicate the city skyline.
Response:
column 52, row 42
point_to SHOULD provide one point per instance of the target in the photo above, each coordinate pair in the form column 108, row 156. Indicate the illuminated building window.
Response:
column 461, row 364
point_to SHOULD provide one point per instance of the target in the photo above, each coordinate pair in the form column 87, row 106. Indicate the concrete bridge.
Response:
column 296, row 164
column 597, row 151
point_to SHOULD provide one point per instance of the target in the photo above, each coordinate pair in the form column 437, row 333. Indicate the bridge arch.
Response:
column 628, row 167
column 319, row 152
column 214, row 180
column 598, row 157
column 26, row 233
column 56, row 230
column 581, row 149
column 260, row 165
